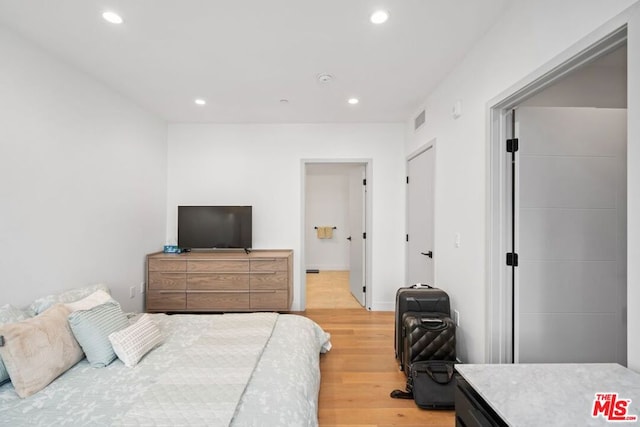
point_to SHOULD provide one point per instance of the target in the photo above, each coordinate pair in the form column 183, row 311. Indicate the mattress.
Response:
column 255, row 369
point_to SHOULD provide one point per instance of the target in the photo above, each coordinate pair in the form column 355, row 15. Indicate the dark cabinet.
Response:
column 471, row 409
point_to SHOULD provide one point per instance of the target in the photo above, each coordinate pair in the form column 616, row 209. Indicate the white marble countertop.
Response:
column 552, row 394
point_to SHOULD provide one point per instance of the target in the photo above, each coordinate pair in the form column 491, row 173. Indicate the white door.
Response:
column 570, row 235
column 420, row 219
column 357, row 198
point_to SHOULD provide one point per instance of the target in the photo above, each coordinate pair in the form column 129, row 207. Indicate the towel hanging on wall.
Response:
column 324, row 232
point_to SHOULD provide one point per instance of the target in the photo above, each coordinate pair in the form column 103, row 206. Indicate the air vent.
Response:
column 419, row 120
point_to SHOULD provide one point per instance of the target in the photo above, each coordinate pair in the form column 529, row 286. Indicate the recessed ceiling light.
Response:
column 353, row 101
column 112, row 17
column 379, row 16
column 200, row 101
column 284, row 101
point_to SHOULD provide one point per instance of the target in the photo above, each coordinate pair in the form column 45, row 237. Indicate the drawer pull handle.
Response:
column 264, row 272
column 227, row 291
column 218, row 272
column 263, row 291
column 171, row 292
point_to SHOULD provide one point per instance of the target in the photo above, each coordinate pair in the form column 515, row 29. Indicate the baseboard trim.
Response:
column 383, row 306
column 328, row 267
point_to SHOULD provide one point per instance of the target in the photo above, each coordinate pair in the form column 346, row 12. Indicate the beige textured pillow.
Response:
column 38, row 350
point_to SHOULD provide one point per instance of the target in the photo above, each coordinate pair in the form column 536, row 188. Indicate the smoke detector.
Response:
column 325, row 78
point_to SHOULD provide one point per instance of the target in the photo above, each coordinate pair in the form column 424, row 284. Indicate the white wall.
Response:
column 327, row 204
column 261, row 165
column 82, row 180
column 633, row 193
column 528, row 35
column 591, row 86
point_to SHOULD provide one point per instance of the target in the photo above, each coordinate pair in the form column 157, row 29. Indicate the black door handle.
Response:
column 349, row 238
column 429, row 254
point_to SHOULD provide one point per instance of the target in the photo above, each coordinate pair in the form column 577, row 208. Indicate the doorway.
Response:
column 335, row 217
column 558, row 212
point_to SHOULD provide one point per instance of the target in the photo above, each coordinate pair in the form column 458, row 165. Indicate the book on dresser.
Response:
column 219, row 281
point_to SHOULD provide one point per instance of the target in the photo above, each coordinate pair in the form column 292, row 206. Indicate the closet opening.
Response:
column 557, row 213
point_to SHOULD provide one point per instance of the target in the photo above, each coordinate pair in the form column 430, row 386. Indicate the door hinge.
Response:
column 407, row 179
column 364, row 289
column 512, row 145
column 364, row 235
column 407, row 236
column 512, row 259
column 364, row 181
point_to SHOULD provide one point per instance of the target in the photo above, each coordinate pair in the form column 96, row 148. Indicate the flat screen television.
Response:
column 214, row 227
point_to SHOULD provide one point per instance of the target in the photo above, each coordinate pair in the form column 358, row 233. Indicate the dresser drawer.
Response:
column 269, row 280
column 218, row 281
column 220, row 300
column 167, row 281
column 270, row 264
column 167, row 265
column 218, row 266
column 269, row 300
column 166, row 300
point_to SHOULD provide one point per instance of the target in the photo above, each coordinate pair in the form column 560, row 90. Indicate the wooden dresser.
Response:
column 220, row 281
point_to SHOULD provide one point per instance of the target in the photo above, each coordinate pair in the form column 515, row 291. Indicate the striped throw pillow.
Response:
column 92, row 329
column 132, row 343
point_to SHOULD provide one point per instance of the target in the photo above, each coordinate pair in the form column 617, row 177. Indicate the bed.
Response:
column 252, row 369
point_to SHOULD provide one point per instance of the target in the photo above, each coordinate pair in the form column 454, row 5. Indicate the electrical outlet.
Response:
column 142, row 287
column 132, row 292
column 456, row 317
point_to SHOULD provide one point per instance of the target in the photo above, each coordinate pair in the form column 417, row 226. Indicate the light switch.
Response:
column 456, row 111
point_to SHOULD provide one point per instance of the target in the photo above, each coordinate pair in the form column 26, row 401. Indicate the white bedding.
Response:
column 257, row 369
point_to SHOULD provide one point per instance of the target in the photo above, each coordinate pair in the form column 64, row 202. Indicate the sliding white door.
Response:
column 571, row 235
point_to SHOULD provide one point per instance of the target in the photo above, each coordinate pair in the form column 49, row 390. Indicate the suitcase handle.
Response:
column 421, row 285
column 432, row 323
column 448, row 374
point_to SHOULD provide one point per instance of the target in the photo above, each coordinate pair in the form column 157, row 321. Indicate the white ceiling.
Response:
column 244, row 56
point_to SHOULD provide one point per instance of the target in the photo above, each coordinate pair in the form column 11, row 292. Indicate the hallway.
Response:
column 330, row 289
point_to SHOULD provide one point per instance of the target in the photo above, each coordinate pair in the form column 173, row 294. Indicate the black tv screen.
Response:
column 214, row 227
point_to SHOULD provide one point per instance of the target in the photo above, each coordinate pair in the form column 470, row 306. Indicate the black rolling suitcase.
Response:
column 422, row 299
column 427, row 336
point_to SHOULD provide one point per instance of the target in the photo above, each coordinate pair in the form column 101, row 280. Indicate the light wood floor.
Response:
column 360, row 371
column 330, row 289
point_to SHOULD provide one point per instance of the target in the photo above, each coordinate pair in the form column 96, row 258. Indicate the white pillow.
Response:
column 132, row 343
column 87, row 303
column 41, row 304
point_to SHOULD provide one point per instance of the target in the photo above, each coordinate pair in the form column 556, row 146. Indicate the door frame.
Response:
column 368, row 167
column 430, row 145
column 498, row 296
